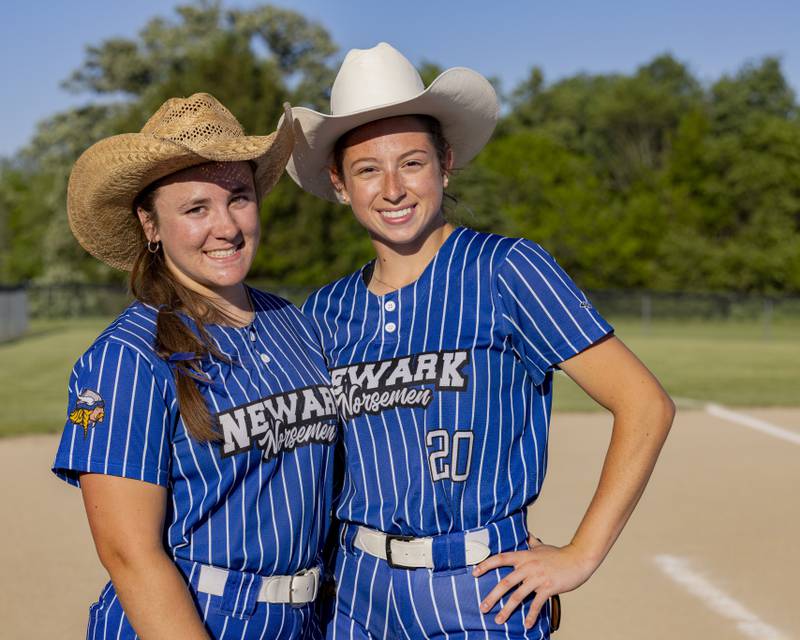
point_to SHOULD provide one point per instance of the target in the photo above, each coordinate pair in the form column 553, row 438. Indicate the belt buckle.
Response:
column 389, row 540
column 300, row 574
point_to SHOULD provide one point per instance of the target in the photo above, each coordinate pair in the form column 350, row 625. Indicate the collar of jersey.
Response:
column 441, row 253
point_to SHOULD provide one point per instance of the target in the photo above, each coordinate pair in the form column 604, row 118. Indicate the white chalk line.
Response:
column 688, row 403
column 747, row 622
column 763, row 426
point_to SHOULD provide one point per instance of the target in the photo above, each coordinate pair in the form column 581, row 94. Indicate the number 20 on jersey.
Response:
column 451, row 457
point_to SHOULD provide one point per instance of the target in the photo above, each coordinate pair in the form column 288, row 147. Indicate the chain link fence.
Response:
column 650, row 305
column 76, row 300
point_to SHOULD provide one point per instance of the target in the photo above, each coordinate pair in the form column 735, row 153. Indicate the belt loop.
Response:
column 449, row 551
column 240, row 597
column 494, row 538
column 347, row 536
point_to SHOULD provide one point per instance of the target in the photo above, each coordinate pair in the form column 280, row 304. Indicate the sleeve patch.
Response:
column 90, row 409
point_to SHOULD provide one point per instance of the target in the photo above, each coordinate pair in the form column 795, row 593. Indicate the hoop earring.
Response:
column 153, row 247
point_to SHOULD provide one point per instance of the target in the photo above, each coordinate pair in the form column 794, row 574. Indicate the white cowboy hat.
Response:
column 381, row 83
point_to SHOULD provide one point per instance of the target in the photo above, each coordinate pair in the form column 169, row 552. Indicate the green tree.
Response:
column 252, row 60
column 649, row 179
column 623, row 122
column 755, row 91
column 735, row 207
column 691, row 187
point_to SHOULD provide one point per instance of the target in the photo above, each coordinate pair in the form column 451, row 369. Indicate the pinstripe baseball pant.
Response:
column 375, row 600
column 234, row 614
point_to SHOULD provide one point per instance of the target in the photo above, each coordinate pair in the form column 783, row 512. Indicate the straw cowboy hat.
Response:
column 381, row 83
column 184, row 132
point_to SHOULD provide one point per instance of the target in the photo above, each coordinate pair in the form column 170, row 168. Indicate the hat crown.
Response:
column 193, row 122
column 370, row 78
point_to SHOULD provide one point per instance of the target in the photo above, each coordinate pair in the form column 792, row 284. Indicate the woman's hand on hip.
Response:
column 543, row 570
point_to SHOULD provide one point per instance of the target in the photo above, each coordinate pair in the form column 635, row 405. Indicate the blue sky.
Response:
column 42, row 41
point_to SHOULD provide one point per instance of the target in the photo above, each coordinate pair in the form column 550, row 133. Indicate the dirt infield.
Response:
column 711, row 553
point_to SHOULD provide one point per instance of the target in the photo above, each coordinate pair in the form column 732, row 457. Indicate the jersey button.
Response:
column 390, row 327
column 265, row 358
column 252, row 336
column 390, row 305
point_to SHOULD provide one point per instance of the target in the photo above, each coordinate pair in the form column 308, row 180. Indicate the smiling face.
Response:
column 393, row 178
column 206, row 218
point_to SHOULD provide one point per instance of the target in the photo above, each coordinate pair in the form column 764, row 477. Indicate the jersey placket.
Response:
column 259, row 356
column 262, row 355
column 389, row 318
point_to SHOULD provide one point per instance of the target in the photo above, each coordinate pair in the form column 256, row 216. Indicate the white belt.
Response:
column 298, row 589
column 416, row 553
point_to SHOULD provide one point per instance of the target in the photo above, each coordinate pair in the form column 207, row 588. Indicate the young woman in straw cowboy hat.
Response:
column 205, row 476
column 442, row 352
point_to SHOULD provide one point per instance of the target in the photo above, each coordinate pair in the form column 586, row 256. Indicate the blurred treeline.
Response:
column 652, row 180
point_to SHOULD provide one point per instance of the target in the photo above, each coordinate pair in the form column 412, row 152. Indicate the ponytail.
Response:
column 153, row 283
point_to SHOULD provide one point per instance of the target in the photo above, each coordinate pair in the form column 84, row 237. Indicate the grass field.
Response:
column 35, row 371
column 731, row 363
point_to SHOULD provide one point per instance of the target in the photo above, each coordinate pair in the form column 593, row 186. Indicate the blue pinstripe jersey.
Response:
column 259, row 500
column 444, row 385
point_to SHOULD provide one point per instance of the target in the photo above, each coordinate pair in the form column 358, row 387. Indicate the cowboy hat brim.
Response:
column 462, row 100
column 108, row 176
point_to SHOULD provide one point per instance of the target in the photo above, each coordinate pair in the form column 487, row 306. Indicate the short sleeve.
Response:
column 118, row 422
column 548, row 318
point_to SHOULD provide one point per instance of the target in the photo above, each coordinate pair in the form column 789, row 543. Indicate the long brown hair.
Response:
column 153, row 283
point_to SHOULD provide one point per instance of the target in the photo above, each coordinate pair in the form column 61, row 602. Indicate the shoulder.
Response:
column 491, row 248
column 524, row 249
column 496, row 248
column 524, row 265
column 481, row 243
column 129, row 338
column 320, row 300
column 526, row 258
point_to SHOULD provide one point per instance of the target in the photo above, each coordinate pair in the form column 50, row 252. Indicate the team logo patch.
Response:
column 281, row 422
column 89, row 410
column 372, row 387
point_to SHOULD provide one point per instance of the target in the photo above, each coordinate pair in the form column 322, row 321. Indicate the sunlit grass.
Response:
column 732, row 363
column 35, row 370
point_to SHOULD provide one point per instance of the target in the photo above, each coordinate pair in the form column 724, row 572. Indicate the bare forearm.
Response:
column 643, row 414
column 155, row 598
column 637, row 437
column 127, row 521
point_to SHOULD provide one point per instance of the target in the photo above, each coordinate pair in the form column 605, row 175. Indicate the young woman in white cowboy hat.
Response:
column 442, row 352
column 205, row 475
